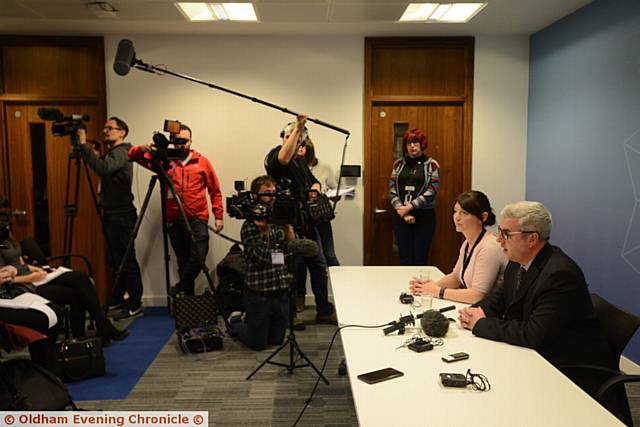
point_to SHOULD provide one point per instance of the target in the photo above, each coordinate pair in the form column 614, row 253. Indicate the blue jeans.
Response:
column 118, row 230
column 190, row 257
column 317, row 266
column 266, row 319
column 414, row 239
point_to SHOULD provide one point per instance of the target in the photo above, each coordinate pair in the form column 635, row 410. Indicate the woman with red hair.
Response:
column 414, row 183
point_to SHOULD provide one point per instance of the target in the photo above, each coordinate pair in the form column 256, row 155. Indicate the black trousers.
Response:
column 75, row 288
column 118, row 230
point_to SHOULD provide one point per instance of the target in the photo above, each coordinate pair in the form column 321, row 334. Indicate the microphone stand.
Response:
column 290, row 341
column 157, row 70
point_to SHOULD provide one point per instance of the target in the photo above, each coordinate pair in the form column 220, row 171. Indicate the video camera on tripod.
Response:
column 64, row 125
column 161, row 143
column 246, row 205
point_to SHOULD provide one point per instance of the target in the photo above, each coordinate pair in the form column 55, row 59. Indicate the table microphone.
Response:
column 400, row 324
column 434, row 323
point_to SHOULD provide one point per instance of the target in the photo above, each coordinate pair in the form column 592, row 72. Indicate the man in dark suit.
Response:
column 544, row 303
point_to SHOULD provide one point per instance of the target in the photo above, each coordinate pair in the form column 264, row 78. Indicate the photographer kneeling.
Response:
column 266, row 295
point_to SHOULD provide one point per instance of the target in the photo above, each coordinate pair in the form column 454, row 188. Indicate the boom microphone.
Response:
column 125, row 57
column 303, row 247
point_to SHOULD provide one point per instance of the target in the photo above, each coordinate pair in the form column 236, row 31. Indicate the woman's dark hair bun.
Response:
column 491, row 219
column 477, row 203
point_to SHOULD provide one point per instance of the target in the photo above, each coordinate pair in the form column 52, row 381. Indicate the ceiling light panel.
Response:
column 418, row 12
column 217, row 11
column 240, row 11
column 196, row 11
column 441, row 12
column 461, row 12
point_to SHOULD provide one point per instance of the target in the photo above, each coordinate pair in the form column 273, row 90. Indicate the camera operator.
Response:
column 192, row 176
column 266, row 298
column 283, row 162
column 119, row 213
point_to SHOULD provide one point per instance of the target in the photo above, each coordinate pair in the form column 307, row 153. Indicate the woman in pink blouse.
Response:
column 481, row 262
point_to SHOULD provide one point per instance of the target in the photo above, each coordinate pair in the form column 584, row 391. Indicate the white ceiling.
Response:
column 278, row 17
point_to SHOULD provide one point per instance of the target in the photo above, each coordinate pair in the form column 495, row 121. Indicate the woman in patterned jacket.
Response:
column 414, row 183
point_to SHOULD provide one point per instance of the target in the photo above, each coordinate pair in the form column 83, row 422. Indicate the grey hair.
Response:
column 531, row 216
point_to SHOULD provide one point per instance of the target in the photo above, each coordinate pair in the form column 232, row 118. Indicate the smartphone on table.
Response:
column 380, row 375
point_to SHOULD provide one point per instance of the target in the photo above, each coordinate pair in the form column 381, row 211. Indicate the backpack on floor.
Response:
column 25, row 385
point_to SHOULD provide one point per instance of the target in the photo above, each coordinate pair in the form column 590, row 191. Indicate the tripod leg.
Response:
column 309, row 362
column 134, row 233
column 165, row 245
column 268, row 359
column 71, row 208
column 183, row 215
column 96, row 205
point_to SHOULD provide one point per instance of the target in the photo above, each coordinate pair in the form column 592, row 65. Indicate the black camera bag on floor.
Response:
column 25, row 386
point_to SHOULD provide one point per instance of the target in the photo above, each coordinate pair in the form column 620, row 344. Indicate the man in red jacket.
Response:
column 192, row 177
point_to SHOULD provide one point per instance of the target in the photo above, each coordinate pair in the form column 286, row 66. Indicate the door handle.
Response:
column 18, row 212
column 379, row 211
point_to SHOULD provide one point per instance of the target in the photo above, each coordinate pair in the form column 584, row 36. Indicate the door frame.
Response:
column 466, row 98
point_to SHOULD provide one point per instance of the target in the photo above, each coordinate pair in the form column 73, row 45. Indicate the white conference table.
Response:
column 526, row 390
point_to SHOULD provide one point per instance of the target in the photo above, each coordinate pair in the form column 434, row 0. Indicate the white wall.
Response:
column 323, row 76
column 320, row 76
column 501, row 82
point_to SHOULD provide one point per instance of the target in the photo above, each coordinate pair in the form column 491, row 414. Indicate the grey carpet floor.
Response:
column 215, row 382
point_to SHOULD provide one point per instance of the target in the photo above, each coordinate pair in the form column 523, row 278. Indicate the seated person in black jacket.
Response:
column 544, row 303
column 266, row 293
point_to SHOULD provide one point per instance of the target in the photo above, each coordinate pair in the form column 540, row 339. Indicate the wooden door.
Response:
column 441, row 123
column 67, row 73
column 424, row 83
column 38, row 163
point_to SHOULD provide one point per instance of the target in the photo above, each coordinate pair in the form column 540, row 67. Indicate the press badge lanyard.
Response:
column 467, row 257
column 277, row 256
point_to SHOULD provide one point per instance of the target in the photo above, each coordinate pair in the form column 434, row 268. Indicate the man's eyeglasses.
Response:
column 110, row 128
column 504, row 234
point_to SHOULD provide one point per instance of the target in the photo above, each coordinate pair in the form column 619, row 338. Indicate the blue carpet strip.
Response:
column 128, row 360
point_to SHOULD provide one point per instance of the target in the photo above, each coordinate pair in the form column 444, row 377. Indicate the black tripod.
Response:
column 71, row 205
column 165, row 182
column 290, row 341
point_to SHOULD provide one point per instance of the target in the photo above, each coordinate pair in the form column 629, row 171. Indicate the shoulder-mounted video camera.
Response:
column 246, row 204
column 64, row 125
